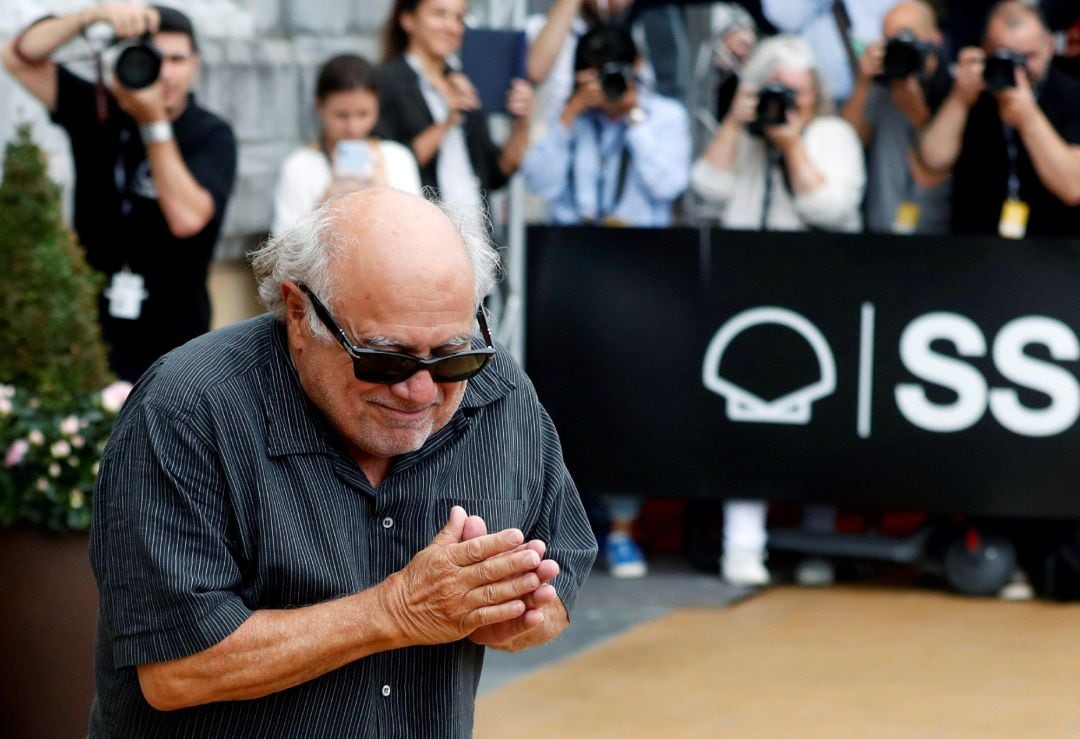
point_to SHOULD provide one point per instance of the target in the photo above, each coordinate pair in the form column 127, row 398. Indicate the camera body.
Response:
column 905, row 55
column 138, row 64
column 615, row 80
column 774, row 102
column 999, row 69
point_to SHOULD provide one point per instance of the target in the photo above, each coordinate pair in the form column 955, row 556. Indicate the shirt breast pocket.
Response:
column 497, row 514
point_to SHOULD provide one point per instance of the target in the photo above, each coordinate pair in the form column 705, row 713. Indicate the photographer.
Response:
column 778, row 160
column 153, row 172
column 901, row 82
column 619, row 153
column 1009, row 133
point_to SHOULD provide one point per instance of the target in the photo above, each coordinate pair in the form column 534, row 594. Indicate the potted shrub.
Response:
column 57, row 405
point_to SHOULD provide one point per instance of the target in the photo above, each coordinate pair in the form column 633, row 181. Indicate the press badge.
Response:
column 906, row 219
column 126, row 294
column 1014, row 218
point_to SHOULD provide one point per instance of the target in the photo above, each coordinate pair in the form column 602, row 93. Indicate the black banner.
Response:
column 921, row 372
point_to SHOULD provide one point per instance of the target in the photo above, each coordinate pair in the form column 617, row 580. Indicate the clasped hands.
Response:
column 490, row 588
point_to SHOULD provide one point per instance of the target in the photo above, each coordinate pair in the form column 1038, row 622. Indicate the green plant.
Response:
column 54, row 418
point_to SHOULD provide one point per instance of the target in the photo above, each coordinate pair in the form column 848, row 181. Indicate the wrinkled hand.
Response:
column 872, row 61
column 1017, row 105
column 127, row 19
column 743, row 108
column 453, row 587
column 145, row 106
column 502, row 634
column 968, row 81
column 519, row 99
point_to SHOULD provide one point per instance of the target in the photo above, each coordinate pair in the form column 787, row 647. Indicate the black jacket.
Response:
column 403, row 114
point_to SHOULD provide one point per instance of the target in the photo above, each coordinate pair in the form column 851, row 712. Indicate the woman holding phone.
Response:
column 435, row 110
column 347, row 156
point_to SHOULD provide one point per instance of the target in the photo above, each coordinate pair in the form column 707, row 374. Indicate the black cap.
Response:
column 174, row 21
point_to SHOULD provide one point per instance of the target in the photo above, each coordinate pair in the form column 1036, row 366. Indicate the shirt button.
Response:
column 387, row 522
column 386, row 691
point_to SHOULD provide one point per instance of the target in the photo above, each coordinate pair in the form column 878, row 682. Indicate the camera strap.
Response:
column 602, row 213
column 772, row 159
column 1012, row 155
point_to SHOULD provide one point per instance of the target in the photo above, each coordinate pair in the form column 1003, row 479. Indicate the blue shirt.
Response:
column 577, row 169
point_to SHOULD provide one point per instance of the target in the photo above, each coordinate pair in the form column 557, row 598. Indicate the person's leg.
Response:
column 743, row 561
column 624, row 557
column 817, row 570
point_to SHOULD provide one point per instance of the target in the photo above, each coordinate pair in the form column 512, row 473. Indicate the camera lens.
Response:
column 613, row 81
column 138, row 66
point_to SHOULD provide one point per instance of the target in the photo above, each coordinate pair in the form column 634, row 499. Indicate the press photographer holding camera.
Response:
column 1009, row 133
column 901, row 81
column 779, row 160
column 619, row 153
column 153, row 172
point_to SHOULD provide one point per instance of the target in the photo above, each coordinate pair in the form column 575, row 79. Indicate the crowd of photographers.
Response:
column 798, row 115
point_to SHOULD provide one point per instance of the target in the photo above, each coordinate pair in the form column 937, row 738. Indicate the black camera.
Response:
column 999, row 69
column 905, row 55
column 615, row 79
column 138, row 64
column 774, row 102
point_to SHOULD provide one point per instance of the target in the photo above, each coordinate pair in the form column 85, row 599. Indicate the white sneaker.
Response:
column 743, row 567
column 814, row 573
column 1018, row 588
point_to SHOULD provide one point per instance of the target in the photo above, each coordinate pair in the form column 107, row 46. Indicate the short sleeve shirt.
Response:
column 120, row 223
column 223, row 491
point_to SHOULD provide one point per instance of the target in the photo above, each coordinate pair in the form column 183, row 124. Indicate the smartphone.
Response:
column 352, row 157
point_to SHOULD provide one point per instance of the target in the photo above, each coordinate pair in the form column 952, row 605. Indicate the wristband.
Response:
column 156, row 132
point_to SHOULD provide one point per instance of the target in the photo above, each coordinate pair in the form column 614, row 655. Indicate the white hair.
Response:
column 307, row 253
column 790, row 52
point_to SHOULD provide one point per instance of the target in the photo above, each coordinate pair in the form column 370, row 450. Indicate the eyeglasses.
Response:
column 388, row 368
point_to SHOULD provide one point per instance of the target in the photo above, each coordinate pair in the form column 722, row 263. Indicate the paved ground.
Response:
column 607, row 606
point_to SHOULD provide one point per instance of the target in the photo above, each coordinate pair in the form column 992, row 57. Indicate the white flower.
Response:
column 69, row 426
column 36, row 438
column 78, row 442
column 76, row 499
column 97, row 466
column 42, row 484
column 60, row 449
column 54, row 470
column 5, row 406
column 113, row 397
column 16, row 452
column 7, row 391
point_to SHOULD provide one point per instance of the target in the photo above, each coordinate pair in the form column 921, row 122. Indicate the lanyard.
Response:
column 1012, row 153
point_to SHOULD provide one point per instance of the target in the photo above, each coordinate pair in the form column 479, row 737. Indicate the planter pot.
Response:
column 47, row 624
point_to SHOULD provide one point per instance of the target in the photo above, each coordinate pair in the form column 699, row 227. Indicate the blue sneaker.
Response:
column 624, row 558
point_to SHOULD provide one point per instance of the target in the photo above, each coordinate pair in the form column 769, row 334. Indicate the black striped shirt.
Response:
column 223, row 491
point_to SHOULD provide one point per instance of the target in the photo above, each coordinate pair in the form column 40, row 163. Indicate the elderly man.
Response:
column 1009, row 132
column 284, row 505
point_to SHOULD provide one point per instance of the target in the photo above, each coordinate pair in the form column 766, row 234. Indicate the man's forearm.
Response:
column 186, row 205
column 42, row 39
column 854, row 110
column 270, row 652
column 1056, row 161
column 942, row 139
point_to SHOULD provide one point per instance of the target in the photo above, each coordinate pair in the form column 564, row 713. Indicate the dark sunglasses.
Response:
column 388, row 368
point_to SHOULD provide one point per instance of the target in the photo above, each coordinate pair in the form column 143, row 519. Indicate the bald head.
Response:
column 912, row 15
column 1017, row 27
column 384, row 234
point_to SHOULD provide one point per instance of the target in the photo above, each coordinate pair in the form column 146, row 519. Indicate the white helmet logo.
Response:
column 742, row 405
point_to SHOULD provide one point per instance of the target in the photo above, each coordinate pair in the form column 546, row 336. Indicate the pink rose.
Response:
column 16, row 452
column 113, row 397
